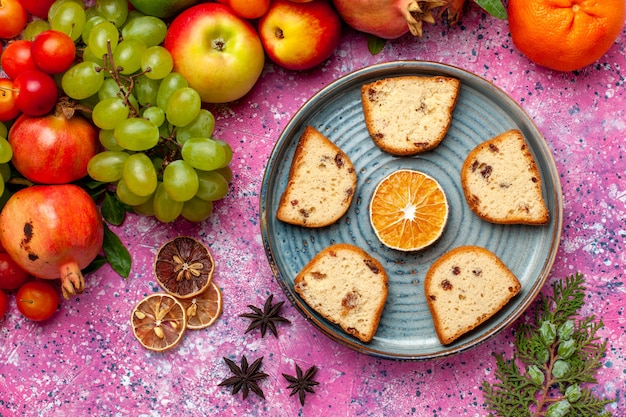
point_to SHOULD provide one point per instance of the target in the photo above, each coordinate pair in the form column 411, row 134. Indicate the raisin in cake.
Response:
column 501, row 181
column 464, row 288
column 322, row 182
column 410, row 114
column 347, row 286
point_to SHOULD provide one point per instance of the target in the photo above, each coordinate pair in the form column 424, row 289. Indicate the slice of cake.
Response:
column 464, row 288
column 347, row 286
column 410, row 114
column 501, row 181
column 321, row 184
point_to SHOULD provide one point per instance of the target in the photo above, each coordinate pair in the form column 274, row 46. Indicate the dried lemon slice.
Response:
column 409, row 210
column 159, row 321
column 203, row 309
column 184, row 267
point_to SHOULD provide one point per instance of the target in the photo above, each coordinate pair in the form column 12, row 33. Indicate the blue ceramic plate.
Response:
column 406, row 329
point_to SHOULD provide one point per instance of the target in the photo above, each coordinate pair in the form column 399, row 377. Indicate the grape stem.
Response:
column 111, row 68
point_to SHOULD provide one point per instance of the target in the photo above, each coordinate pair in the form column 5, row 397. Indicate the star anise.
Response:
column 302, row 383
column 246, row 377
column 266, row 318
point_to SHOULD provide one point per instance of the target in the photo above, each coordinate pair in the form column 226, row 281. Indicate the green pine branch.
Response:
column 559, row 353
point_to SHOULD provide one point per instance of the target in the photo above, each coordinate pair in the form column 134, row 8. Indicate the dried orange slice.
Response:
column 158, row 321
column 203, row 309
column 184, row 267
column 409, row 210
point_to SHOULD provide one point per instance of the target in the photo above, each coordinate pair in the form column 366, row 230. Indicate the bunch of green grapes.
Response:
column 6, row 153
column 159, row 147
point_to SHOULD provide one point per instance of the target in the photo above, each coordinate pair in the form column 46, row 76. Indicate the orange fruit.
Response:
column 159, row 321
column 184, row 267
column 203, row 309
column 565, row 35
column 409, row 210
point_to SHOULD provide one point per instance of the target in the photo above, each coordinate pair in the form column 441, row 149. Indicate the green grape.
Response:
column 115, row 11
column 157, row 62
column 132, row 14
column 6, row 152
column 201, row 126
column 136, row 134
column 211, row 185
column 203, row 153
column 139, row 174
column 2, row 186
column 180, row 180
column 69, row 18
column 91, row 12
column 110, row 89
column 157, row 161
column 197, row 210
column 109, row 113
column 102, row 36
column 88, row 55
column 34, row 28
column 172, row 82
column 89, row 24
column 145, row 209
column 155, row 114
column 225, row 172
column 228, row 152
column 5, row 172
column 126, row 196
column 149, row 29
column 166, row 130
column 146, row 90
column 107, row 166
column 4, row 131
column 58, row 3
column 107, row 140
column 82, row 80
column 165, row 209
column 127, row 55
column 183, row 106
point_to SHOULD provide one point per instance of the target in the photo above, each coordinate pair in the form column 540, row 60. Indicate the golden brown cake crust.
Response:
column 501, row 181
column 346, row 286
column 408, row 115
column 464, row 288
column 321, row 185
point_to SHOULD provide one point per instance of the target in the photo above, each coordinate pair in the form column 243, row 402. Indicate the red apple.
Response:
column 248, row 9
column 300, row 36
column 219, row 54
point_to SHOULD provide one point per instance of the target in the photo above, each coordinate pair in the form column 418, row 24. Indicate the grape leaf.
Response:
column 116, row 253
column 493, row 7
column 94, row 265
column 375, row 44
column 112, row 210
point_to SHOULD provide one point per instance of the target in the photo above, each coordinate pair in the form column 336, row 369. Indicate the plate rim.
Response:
column 398, row 68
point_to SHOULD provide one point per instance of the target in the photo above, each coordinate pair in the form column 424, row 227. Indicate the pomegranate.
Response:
column 53, row 231
column 389, row 19
column 53, row 149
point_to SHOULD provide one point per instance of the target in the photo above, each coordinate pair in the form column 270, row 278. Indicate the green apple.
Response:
column 162, row 8
column 219, row 54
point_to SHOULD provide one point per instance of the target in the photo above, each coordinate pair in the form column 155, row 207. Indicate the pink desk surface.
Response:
column 86, row 362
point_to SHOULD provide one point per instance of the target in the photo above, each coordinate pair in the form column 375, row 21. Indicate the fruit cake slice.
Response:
column 347, row 286
column 464, row 288
column 410, row 114
column 502, row 183
column 321, row 184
